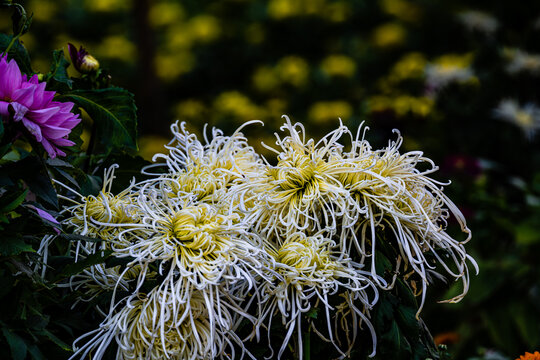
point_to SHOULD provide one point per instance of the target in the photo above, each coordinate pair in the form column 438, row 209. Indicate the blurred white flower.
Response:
column 448, row 69
column 479, row 21
column 526, row 117
column 521, row 61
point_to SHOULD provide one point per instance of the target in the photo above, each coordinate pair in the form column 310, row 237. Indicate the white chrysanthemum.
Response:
column 301, row 192
column 202, row 170
column 448, row 69
column 99, row 278
column 157, row 327
column 478, row 21
column 395, row 194
column 527, row 117
column 91, row 215
column 521, row 61
column 308, row 275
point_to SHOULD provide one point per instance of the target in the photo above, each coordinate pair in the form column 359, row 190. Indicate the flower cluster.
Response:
column 223, row 238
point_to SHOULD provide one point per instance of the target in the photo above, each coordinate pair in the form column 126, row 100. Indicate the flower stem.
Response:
column 307, row 344
column 15, row 38
column 91, row 145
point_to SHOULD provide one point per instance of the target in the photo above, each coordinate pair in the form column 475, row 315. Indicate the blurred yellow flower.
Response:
column 389, row 35
column 107, row 5
column 237, row 105
column 338, row 65
column 401, row 105
column 405, row 104
column 337, row 11
column 313, row 7
column 170, row 66
column 166, row 13
column 43, row 11
column 178, row 38
column 41, row 65
column 204, row 28
column 410, row 66
column 455, row 60
column 279, row 9
column 401, row 9
column 293, row 70
column 149, row 145
column 324, row 111
column 265, row 79
column 275, row 107
column 191, row 111
column 116, row 47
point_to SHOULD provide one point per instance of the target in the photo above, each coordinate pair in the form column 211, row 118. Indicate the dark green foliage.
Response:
column 113, row 113
column 58, row 78
column 17, row 52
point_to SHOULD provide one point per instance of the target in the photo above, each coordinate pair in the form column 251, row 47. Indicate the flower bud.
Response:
column 82, row 60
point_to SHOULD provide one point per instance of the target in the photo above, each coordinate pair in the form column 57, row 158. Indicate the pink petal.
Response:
column 42, row 116
column 17, row 111
column 49, row 148
column 33, row 128
column 4, row 108
column 24, row 95
column 63, row 142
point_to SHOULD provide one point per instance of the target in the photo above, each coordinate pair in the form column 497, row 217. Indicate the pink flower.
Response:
column 27, row 101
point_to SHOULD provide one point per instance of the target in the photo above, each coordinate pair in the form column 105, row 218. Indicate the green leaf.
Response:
column 35, row 353
column 79, row 266
column 12, row 200
column 58, row 71
column 56, row 340
column 16, row 344
column 33, row 172
column 13, row 245
column 17, row 52
column 113, row 111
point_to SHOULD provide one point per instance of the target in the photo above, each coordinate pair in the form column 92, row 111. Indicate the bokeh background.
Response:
column 459, row 79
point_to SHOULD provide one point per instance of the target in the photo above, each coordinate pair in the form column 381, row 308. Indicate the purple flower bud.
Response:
column 82, row 60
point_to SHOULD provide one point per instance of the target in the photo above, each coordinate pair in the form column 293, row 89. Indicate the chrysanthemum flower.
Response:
column 448, row 69
column 157, row 327
column 526, row 117
column 201, row 170
column 309, row 274
column 101, row 216
column 478, row 21
column 393, row 193
column 26, row 101
column 520, row 61
column 301, row 192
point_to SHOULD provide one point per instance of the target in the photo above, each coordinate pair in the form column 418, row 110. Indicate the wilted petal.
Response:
column 33, row 128
column 17, row 111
